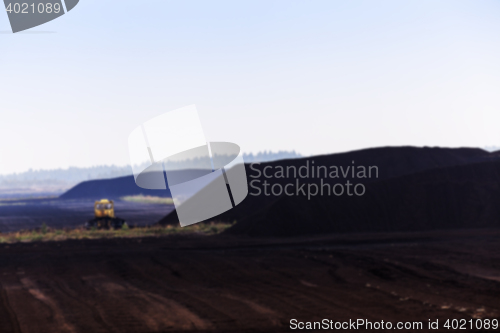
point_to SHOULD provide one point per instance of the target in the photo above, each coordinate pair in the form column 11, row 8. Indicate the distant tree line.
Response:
column 65, row 178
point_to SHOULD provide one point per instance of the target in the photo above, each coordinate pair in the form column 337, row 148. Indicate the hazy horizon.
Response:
column 316, row 77
column 246, row 155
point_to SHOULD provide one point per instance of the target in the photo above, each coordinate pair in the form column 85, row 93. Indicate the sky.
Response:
column 312, row 76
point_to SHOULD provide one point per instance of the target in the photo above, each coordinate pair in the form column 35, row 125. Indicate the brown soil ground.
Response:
column 229, row 284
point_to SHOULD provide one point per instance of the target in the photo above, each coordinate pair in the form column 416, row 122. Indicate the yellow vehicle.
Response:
column 104, row 211
column 104, row 208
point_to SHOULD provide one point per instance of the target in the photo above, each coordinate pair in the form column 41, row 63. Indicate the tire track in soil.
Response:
column 303, row 299
column 133, row 293
column 57, row 315
column 66, row 276
column 7, row 312
column 192, row 301
column 65, row 290
column 297, row 300
column 244, row 311
column 213, row 292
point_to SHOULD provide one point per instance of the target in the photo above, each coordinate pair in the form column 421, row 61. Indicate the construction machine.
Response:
column 105, row 218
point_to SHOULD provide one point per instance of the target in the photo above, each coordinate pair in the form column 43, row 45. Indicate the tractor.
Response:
column 104, row 211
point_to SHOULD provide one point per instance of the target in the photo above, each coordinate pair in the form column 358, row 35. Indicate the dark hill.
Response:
column 110, row 188
column 118, row 187
column 391, row 162
column 466, row 196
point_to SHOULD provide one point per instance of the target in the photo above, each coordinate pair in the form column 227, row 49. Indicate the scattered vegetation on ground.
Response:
column 45, row 233
column 148, row 199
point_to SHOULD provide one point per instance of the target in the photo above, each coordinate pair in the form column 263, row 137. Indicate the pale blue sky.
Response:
column 314, row 76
